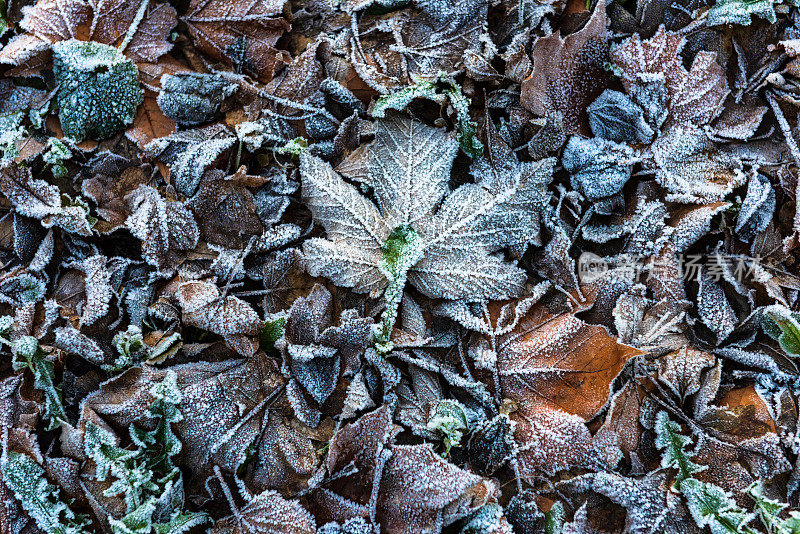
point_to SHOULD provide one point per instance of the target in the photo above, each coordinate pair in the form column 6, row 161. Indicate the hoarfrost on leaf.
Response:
column 98, row 89
column 616, row 117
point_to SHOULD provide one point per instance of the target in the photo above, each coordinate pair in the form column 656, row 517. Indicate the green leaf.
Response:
column 712, row 506
column 131, row 348
column 295, row 147
column 137, row 521
column 673, row 446
column 56, row 155
column 554, row 519
column 181, row 522
column 429, row 90
column 401, row 250
column 271, row 332
column 3, row 16
column 402, row 98
column 741, row 12
column 28, row 354
column 487, row 519
column 98, row 89
column 40, row 499
column 466, row 126
column 783, row 325
column 133, row 479
column 11, row 131
column 450, row 419
column 161, row 443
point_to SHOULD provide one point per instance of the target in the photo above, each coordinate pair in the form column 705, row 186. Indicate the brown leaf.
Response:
column 568, row 73
column 204, row 307
column 150, row 122
column 109, row 193
column 267, row 513
column 559, row 370
column 242, row 33
column 226, row 211
column 416, row 485
column 58, row 20
column 224, row 409
column 694, row 95
column 113, row 18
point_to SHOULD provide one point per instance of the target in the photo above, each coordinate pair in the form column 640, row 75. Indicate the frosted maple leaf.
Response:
column 443, row 242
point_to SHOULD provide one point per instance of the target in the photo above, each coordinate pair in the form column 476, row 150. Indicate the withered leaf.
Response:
column 166, row 228
column 243, row 33
column 694, row 95
column 568, row 73
column 267, row 513
column 559, row 370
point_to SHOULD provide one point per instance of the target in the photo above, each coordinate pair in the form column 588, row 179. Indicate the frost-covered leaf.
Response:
column 226, row 211
column 757, row 209
column 267, row 513
column 192, row 98
column 711, row 506
column 190, row 153
column 205, row 307
column 568, row 73
column 558, row 369
column 599, row 168
column 165, row 227
column 672, row 445
column 414, row 485
column 473, row 221
column 97, row 288
column 29, row 354
column 25, row 478
column 315, row 350
column 436, row 37
column 41, row 200
column 694, row 95
column 714, row 309
column 401, row 99
column 418, row 485
column 98, row 89
column 616, row 117
column 782, row 325
column 241, row 32
column 692, row 168
column 741, row 12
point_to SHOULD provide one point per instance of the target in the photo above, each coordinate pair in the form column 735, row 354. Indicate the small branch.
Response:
column 134, row 27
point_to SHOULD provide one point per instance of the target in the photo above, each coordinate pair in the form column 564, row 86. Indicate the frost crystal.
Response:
column 98, row 89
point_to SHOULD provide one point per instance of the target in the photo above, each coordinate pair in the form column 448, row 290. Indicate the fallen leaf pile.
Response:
column 402, row 266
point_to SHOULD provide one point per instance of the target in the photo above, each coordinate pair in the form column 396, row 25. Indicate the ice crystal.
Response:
column 98, row 89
